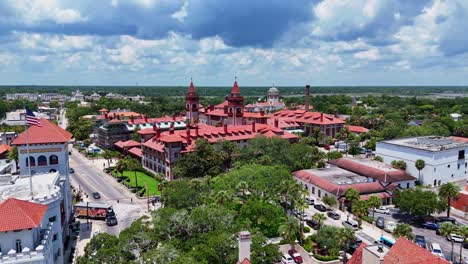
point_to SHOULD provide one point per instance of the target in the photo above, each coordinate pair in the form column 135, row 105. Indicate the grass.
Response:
column 142, row 180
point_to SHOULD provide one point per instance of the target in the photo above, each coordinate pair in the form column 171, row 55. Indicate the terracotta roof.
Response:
column 191, row 88
column 18, row 214
column 462, row 139
column 4, row 148
column 136, row 151
column 221, row 105
column 146, row 131
column 127, row 144
column 48, row 133
column 115, row 121
column 255, row 115
column 235, row 89
column 356, row 258
column 166, row 119
column 103, row 110
column 339, row 189
column 373, row 169
column 301, row 116
column 357, row 129
column 405, row 251
column 216, row 112
column 245, row 261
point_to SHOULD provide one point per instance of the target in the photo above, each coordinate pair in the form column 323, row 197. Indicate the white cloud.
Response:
column 372, row 55
column 35, row 11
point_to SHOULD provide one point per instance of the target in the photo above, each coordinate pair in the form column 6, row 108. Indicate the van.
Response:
column 435, row 249
column 309, row 201
column 351, row 224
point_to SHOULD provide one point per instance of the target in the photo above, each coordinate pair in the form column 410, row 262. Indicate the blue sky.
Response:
column 164, row 42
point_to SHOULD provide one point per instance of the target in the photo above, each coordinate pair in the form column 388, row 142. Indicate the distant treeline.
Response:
column 246, row 90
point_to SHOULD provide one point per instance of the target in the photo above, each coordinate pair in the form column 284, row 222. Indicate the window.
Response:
column 448, row 166
column 52, row 219
column 319, row 193
column 461, row 154
column 440, row 182
column 53, row 160
column 18, row 246
column 435, row 182
column 452, row 175
column 434, row 169
column 458, row 166
column 54, row 237
column 42, row 161
column 407, row 185
column 313, row 190
column 32, row 161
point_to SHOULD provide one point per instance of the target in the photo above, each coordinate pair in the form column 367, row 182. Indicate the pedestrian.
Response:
column 104, row 165
column 131, row 200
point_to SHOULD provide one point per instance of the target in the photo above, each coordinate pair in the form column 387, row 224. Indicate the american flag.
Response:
column 31, row 119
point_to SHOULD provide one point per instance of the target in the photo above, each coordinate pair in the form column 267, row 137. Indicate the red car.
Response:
column 327, row 147
column 295, row 255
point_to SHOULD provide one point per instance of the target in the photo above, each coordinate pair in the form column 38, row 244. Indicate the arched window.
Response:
column 32, row 160
column 19, row 248
column 53, row 160
column 42, row 161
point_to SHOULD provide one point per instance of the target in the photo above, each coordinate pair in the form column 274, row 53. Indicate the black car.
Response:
column 420, row 240
column 72, row 170
column 309, row 201
column 380, row 223
column 111, row 221
column 334, row 215
column 96, row 195
column 444, row 219
column 320, row 207
column 354, row 245
column 313, row 224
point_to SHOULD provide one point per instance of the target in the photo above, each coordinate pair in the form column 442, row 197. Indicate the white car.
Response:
column 455, row 238
column 382, row 210
column 436, row 250
column 287, row 259
column 390, row 227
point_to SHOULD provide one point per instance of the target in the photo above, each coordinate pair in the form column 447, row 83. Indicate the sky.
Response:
column 262, row 42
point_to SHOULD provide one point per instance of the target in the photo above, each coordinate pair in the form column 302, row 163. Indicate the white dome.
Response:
column 273, row 90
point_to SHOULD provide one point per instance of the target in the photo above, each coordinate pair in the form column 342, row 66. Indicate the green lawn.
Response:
column 142, row 180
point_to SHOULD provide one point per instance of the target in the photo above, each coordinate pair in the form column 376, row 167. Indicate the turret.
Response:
column 235, row 106
column 191, row 104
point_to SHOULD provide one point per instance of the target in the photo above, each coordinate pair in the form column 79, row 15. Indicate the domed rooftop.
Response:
column 273, row 90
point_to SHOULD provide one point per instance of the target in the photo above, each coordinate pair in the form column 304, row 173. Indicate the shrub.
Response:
column 325, row 258
column 378, row 158
column 306, row 229
column 399, row 164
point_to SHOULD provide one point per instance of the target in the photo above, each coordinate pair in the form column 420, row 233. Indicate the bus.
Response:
column 387, row 241
column 93, row 210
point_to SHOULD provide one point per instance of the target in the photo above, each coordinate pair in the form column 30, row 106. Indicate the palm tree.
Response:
column 419, row 164
column 463, row 232
column 13, row 155
column 319, row 218
column 403, row 230
column 222, row 197
column 449, row 191
column 374, row 202
column 289, row 230
column 345, row 237
column 446, row 229
column 107, row 155
column 351, row 195
column 329, row 200
column 121, row 166
column 133, row 165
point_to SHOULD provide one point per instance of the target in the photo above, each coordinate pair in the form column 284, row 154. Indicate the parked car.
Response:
column 435, row 249
column 334, row 215
column 326, row 147
column 287, row 259
column 420, row 240
column 295, row 255
column 381, row 210
column 443, row 219
column 320, row 207
column 72, row 170
column 96, row 195
column 295, row 212
column 309, row 201
column 380, row 222
column 111, row 221
column 431, row 225
column 354, row 246
column 351, row 224
column 302, row 216
column 455, row 238
column 313, row 224
column 390, row 226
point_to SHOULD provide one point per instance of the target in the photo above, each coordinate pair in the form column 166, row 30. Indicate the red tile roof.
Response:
column 216, row 112
column 235, row 89
column 245, row 261
column 405, row 251
column 356, row 258
column 48, row 133
column 136, row 152
column 221, row 105
column 191, row 88
column 339, row 189
column 357, row 129
column 255, row 115
column 301, row 116
column 127, row 144
column 140, row 121
column 18, row 214
column 381, row 171
column 4, row 148
column 462, row 139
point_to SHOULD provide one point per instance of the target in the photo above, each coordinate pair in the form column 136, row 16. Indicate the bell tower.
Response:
column 235, row 107
column 191, row 104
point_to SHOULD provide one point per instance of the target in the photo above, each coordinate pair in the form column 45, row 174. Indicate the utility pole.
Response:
column 147, row 196
column 87, row 214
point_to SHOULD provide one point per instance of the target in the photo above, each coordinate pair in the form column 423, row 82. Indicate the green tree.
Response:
column 403, row 230
column 333, row 155
column 419, row 202
column 374, row 202
column 351, row 195
column 329, row 200
column 378, row 158
column 449, row 191
column 354, row 148
column 446, row 229
column 360, row 209
column 419, row 164
column 463, row 232
column 104, row 248
column 204, row 161
column 319, row 218
column 107, row 155
column 289, row 230
column 264, row 216
column 180, row 194
column 121, row 166
column 399, row 164
column 134, row 165
column 13, row 154
column 346, row 237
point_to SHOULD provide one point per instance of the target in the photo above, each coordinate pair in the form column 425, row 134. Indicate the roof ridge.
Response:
column 20, row 206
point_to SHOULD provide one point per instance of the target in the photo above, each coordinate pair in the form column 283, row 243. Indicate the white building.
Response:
column 444, row 157
column 18, row 117
column 27, row 233
column 24, row 96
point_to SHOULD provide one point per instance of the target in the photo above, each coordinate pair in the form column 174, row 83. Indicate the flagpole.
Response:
column 28, row 159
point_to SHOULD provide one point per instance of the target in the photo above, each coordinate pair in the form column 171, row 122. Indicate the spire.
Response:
column 191, row 88
column 235, row 88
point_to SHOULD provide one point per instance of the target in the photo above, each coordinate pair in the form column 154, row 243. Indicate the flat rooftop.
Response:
column 429, row 143
column 338, row 175
column 44, row 185
column 373, row 163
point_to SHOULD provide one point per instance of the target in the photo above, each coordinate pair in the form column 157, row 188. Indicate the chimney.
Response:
column 197, row 133
column 132, row 120
column 118, row 117
column 225, row 128
column 321, row 117
column 307, row 95
column 174, row 117
column 154, row 126
column 158, row 132
column 253, row 127
column 336, row 114
column 146, row 119
column 106, row 116
column 244, row 240
column 262, row 113
column 189, row 139
column 171, row 126
column 276, row 122
column 171, row 131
